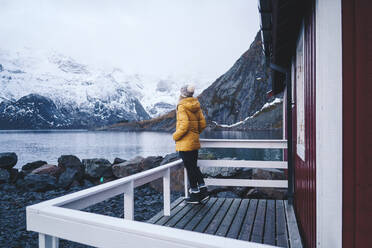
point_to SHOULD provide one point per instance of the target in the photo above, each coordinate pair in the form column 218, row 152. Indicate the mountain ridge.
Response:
column 84, row 96
column 234, row 96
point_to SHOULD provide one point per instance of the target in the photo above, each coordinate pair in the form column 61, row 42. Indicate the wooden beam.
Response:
column 243, row 164
column 238, row 143
column 246, row 182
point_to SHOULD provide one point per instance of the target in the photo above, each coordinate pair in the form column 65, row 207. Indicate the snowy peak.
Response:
column 105, row 95
column 68, row 65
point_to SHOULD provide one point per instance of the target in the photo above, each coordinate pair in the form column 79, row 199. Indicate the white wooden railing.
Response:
column 61, row 218
column 234, row 143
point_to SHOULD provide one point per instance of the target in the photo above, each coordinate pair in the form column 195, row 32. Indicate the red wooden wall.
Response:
column 305, row 171
column 357, row 123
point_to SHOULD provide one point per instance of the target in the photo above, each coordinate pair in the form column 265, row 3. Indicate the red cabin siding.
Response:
column 305, row 171
column 357, row 122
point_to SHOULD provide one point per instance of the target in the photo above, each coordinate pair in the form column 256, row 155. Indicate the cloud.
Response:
column 197, row 37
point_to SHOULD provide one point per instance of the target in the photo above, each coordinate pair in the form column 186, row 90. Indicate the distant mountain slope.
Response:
column 34, row 111
column 241, row 91
column 236, row 95
column 81, row 96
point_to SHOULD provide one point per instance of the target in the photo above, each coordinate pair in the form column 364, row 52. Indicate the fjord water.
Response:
column 48, row 145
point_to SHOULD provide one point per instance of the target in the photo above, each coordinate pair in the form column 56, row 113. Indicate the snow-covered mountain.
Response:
column 83, row 95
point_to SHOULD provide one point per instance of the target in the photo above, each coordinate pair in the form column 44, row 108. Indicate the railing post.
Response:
column 166, row 192
column 186, row 182
column 284, row 116
column 47, row 241
column 289, row 139
column 129, row 201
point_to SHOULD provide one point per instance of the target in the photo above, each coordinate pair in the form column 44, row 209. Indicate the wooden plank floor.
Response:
column 263, row 221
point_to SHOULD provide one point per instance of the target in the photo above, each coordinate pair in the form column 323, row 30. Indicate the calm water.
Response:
column 48, row 145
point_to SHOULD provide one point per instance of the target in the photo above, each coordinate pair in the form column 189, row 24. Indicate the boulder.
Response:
column 14, row 175
column 8, row 160
column 88, row 183
column 218, row 172
column 4, row 176
column 73, row 163
column 75, row 184
column 127, row 168
column 40, row 183
column 176, row 175
column 29, row 167
column 97, row 168
column 8, row 187
column 227, row 194
column 48, row 169
column 207, row 156
column 226, row 172
column 267, row 193
column 177, row 181
column 70, row 161
column 151, row 162
column 118, row 161
column 68, row 177
column 170, row 158
column 269, row 174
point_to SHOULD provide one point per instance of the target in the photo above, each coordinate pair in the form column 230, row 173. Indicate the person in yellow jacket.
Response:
column 190, row 123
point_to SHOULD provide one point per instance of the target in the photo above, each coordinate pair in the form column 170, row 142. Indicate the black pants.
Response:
column 190, row 159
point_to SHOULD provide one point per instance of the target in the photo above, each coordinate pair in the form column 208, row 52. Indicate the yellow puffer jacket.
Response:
column 190, row 123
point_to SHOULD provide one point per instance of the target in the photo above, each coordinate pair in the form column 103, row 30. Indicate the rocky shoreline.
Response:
column 39, row 181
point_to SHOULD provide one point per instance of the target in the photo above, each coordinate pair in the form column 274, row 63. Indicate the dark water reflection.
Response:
column 48, row 145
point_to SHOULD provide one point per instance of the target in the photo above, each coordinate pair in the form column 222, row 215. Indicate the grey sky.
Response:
column 197, row 37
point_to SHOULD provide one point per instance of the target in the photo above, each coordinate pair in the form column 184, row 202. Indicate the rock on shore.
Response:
column 8, row 160
column 39, row 176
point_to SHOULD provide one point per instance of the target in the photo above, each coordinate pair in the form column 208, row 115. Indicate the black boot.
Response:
column 194, row 198
column 204, row 193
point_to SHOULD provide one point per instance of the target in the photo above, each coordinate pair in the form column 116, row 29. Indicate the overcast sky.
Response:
column 186, row 37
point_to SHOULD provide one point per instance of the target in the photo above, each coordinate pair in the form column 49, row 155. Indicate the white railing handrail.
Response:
column 63, row 200
column 242, row 163
column 106, row 231
column 59, row 217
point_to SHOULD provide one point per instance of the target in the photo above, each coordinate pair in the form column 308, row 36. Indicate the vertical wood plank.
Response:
column 294, row 234
column 177, row 217
column 213, row 226
column 207, row 219
column 238, row 220
column 159, row 215
column 174, row 212
column 281, row 225
column 187, row 218
column 228, row 219
column 269, row 234
column 259, row 222
column 246, row 230
column 207, row 208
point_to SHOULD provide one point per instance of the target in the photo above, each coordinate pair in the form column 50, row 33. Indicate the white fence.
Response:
column 61, row 218
column 235, row 143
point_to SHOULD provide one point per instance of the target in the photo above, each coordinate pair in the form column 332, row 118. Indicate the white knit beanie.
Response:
column 187, row 90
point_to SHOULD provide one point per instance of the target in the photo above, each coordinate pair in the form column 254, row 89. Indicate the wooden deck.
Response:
column 263, row 221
